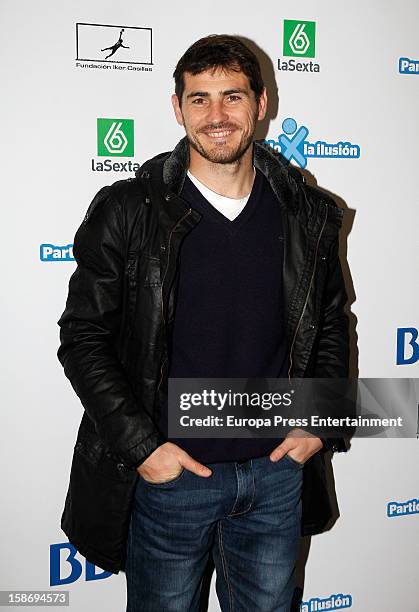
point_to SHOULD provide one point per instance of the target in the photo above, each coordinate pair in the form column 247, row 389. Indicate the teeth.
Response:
column 219, row 134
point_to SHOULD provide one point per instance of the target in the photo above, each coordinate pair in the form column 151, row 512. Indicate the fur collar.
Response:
column 286, row 181
column 282, row 177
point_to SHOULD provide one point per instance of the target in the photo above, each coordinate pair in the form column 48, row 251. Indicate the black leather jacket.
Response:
column 116, row 326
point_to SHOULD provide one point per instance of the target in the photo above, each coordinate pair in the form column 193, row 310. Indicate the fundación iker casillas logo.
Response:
column 115, row 138
column 113, row 47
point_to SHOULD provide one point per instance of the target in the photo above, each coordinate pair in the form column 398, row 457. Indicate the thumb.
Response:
column 194, row 466
column 280, row 450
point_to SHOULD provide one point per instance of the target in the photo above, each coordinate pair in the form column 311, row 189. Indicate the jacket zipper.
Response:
column 131, row 284
column 162, row 282
column 308, row 293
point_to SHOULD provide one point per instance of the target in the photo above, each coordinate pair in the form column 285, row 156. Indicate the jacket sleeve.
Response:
column 332, row 359
column 332, row 356
column 89, row 330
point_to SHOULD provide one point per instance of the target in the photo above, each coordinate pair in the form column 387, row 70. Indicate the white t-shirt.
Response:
column 229, row 207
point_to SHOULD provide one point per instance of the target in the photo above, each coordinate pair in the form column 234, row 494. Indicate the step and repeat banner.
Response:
column 86, row 92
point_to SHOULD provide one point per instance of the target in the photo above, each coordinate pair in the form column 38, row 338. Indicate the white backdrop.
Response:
column 49, row 146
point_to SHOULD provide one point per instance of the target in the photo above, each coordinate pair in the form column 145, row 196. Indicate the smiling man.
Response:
column 217, row 260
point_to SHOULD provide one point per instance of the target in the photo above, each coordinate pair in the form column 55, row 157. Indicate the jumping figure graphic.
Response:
column 114, row 48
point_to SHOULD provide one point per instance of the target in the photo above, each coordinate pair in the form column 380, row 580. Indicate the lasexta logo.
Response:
column 115, row 137
column 299, row 38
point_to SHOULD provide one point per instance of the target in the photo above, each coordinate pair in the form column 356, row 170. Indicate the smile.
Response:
column 219, row 134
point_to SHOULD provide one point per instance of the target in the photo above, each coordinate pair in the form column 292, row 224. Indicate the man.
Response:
column 217, row 260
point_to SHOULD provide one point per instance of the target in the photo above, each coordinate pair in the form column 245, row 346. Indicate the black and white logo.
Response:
column 114, row 47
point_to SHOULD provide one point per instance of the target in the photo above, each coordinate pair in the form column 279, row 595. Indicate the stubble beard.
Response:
column 227, row 155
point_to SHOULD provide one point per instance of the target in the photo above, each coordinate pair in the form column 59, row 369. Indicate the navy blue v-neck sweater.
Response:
column 228, row 313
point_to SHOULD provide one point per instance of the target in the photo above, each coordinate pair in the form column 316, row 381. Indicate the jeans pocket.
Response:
column 165, row 482
column 293, row 462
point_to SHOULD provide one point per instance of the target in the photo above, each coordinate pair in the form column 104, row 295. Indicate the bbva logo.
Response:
column 407, row 351
column 65, row 568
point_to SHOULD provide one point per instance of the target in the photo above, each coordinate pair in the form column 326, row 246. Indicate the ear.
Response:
column 263, row 105
column 177, row 109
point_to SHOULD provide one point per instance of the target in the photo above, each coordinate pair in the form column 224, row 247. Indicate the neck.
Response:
column 231, row 180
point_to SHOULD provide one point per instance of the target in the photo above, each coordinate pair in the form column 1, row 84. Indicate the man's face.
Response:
column 219, row 113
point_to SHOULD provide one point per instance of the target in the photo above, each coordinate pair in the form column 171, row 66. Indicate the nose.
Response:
column 217, row 112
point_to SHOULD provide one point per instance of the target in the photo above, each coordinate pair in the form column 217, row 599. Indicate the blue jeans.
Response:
column 246, row 515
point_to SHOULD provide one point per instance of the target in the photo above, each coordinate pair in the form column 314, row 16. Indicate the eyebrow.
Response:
column 226, row 92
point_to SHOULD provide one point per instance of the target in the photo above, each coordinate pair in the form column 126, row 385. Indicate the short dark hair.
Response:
column 219, row 51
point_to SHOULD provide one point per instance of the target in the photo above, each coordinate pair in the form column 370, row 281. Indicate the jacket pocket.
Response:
column 164, row 483
column 151, row 271
column 91, row 449
column 294, row 462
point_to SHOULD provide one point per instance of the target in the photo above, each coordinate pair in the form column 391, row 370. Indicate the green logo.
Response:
column 299, row 38
column 115, row 137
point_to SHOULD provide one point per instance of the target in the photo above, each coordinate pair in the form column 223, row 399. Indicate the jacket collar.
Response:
column 281, row 176
column 285, row 180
